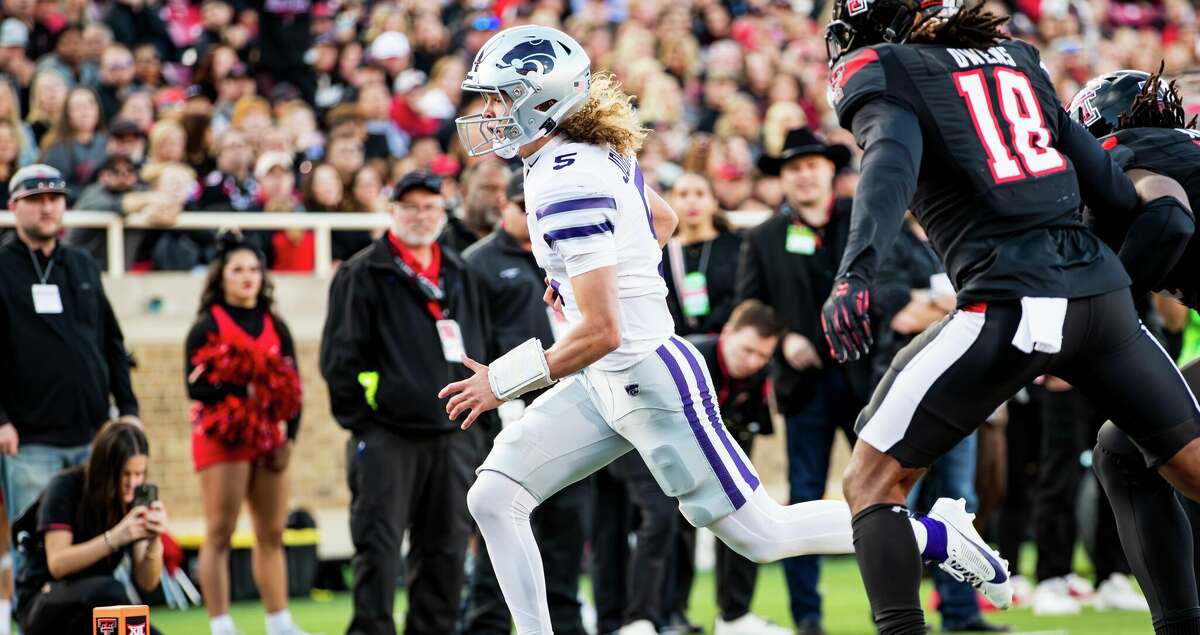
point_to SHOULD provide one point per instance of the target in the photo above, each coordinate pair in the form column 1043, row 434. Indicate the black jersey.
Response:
column 997, row 165
column 1174, row 153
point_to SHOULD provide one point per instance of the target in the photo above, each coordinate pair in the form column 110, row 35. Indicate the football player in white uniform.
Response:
column 622, row 379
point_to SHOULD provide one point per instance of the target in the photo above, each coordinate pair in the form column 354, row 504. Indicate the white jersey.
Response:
column 587, row 208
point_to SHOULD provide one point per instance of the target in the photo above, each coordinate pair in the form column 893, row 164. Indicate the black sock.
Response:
column 891, row 568
column 1154, row 531
column 1186, row 627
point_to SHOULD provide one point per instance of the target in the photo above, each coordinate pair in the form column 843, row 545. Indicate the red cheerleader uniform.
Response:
column 206, row 450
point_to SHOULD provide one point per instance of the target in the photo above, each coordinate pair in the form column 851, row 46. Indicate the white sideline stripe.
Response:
column 892, row 418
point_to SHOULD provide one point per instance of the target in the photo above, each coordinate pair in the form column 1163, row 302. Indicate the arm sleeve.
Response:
column 1104, row 187
column 288, row 350
column 345, row 343
column 119, row 382
column 890, row 136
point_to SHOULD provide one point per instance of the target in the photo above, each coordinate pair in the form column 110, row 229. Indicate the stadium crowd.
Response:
column 157, row 108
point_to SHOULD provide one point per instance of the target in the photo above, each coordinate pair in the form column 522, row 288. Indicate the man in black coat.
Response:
column 513, row 285
column 402, row 314
column 63, row 351
column 788, row 263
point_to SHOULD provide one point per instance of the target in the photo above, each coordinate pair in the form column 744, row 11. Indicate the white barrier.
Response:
column 321, row 223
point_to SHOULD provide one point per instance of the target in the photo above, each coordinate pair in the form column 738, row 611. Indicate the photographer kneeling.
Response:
column 88, row 518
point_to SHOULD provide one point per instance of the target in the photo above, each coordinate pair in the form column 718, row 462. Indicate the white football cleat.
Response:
column 1117, row 594
column 1053, row 597
column 970, row 559
column 749, row 624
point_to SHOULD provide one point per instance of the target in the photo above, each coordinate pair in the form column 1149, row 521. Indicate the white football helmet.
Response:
column 531, row 78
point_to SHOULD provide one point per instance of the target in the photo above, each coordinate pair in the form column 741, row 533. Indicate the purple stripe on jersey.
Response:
column 639, row 182
column 706, row 446
column 599, row 202
column 579, row 231
column 713, row 419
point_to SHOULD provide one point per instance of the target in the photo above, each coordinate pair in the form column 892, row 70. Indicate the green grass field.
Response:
column 846, row 610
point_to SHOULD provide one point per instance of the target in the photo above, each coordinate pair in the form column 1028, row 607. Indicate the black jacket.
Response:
column 743, row 402
column 378, row 322
column 59, row 369
column 512, row 285
column 796, row 286
column 720, row 272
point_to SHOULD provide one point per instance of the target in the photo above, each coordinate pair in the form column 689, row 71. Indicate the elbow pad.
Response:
column 520, row 370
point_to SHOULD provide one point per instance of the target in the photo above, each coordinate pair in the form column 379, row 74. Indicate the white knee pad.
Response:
column 495, row 497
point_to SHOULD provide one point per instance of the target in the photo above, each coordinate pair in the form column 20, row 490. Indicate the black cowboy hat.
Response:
column 802, row 142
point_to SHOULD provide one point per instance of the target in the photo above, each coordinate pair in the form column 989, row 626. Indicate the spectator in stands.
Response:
column 700, row 263
column 231, row 186
column 116, row 190
column 483, row 186
column 385, row 140
column 14, row 62
column 10, row 151
column 64, row 351
column 126, row 139
column 324, row 192
column 77, row 144
column 47, row 101
column 345, row 153
column 402, row 315
column 116, row 77
column 86, row 523
column 513, row 285
column 243, row 431
column 139, row 108
column 147, row 68
column 366, row 193
column 135, row 22
column 737, row 361
column 168, row 142
column 788, row 263
column 10, row 111
column 68, row 58
column 290, row 249
column 197, row 148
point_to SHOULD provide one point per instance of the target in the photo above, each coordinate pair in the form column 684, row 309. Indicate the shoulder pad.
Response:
column 853, row 82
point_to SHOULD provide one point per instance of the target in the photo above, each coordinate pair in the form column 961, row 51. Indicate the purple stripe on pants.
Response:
column 706, row 397
column 706, row 446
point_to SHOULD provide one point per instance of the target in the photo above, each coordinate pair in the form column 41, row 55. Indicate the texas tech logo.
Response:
column 855, row 7
column 1088, row 114
column 106, row 625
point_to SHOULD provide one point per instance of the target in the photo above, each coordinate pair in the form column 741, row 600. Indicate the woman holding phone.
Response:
column 87, row 520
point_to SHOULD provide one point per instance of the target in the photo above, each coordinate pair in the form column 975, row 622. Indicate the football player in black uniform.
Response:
column 1140, row 121
column 963, row 125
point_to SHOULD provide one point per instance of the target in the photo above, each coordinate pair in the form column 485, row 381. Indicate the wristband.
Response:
column 520, row 370
column 111, row 548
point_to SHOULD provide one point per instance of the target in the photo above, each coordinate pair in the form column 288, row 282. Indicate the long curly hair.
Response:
column 1148, row 111
column 229, row 243
column 971, row 27
column 607, row 117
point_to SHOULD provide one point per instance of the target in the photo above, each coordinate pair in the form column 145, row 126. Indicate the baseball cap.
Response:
column 125, row 128
column 36, row 179
column 417, row 180
column 269, row 160
column 515, row 192
column 13, row 32
column 388, row 45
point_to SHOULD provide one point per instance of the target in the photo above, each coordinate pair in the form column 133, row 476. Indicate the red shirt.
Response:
column 432, row 271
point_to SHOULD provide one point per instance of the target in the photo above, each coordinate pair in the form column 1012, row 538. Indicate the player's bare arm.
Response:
column 665, row 219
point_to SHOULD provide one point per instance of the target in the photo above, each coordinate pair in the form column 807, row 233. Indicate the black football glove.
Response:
column 846, row 319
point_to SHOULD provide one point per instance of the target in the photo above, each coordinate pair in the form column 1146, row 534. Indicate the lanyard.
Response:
column 43, row 276
column 432, row 291
column 704, row 253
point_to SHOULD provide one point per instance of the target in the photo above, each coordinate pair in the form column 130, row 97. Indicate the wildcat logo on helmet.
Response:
column 535, row 56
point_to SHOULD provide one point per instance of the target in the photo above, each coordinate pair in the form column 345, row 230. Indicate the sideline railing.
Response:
column 322, row 224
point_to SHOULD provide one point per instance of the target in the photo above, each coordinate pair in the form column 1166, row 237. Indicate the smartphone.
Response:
column 145, row 494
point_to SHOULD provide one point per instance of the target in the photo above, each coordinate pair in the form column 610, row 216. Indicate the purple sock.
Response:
column 935, row 541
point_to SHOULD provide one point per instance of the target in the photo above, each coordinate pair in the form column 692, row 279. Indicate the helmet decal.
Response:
column 534, row 56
